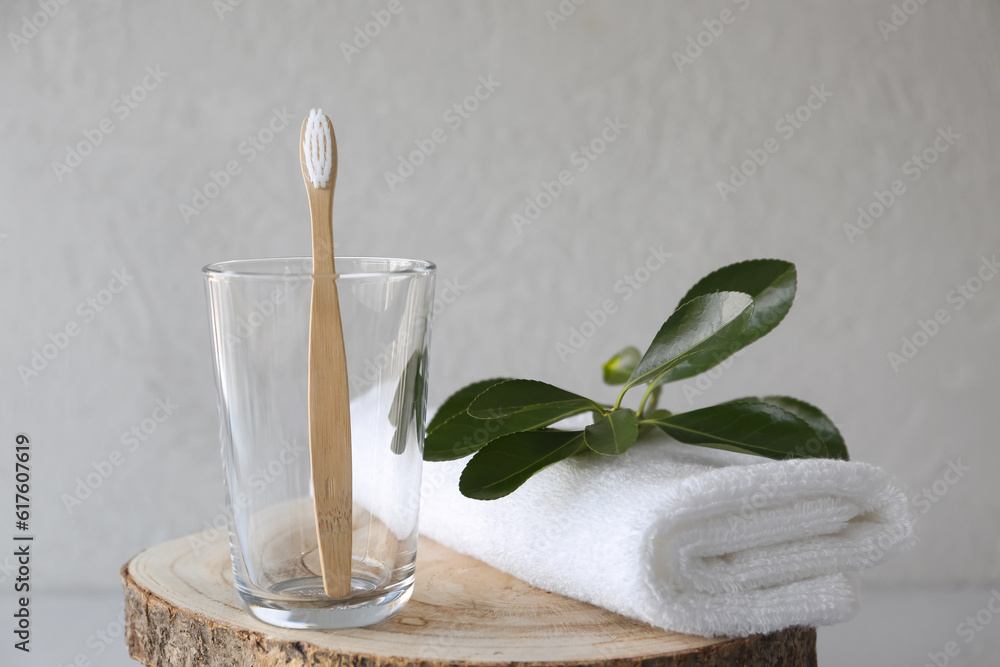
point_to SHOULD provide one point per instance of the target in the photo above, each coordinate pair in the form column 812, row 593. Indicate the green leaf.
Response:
column 704, row 324
column 502, row 466
column 619, row 367
column 453, row 433
column 835, row 446
column 459, row 402
column 408, row 391
column 770, row 282
column 749, row 425
column 524, row 405
column 613, row 433
column 505, row 406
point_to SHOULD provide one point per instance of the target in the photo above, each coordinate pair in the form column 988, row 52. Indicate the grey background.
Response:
column 513, row 294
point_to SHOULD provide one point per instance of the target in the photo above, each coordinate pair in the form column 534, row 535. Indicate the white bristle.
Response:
column 318, row 148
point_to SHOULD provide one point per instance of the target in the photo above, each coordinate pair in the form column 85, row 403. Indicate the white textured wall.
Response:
column 518, row 292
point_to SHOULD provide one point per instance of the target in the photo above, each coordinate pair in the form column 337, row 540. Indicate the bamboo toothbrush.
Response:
column 329, row 401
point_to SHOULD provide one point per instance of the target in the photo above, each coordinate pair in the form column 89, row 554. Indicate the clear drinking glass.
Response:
column 260, row 331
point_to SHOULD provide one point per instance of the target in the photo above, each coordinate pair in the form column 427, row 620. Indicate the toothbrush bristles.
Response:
column 318, row 148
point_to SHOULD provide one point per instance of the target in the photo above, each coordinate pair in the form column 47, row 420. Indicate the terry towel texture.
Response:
column 685, row 538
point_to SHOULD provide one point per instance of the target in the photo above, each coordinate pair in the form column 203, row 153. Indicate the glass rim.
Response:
column 230, row 268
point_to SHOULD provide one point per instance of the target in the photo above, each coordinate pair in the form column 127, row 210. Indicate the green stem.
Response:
column 652, row 422
column 618, row 403
column 645, row 397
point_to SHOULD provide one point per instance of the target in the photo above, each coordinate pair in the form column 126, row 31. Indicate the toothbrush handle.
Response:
column 330, row 436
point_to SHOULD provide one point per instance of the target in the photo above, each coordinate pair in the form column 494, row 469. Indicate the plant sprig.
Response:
column 506, row 424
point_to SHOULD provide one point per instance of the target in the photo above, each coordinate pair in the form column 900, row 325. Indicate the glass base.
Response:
column 314, row 612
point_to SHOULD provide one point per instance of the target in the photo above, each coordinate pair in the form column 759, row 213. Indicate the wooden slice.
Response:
column 181, row 610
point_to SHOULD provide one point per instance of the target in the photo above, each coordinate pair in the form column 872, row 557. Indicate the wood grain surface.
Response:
column 181, row 609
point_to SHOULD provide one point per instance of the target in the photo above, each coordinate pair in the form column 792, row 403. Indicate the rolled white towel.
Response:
column 685, row 538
